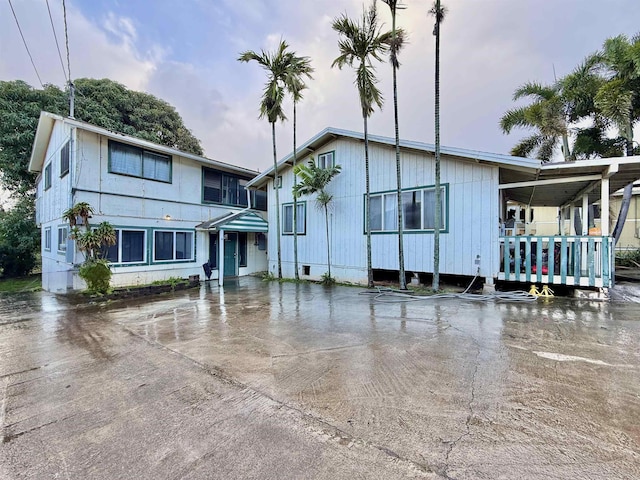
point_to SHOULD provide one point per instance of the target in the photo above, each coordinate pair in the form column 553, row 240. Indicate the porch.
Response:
column 581, row 261
column 579, row 251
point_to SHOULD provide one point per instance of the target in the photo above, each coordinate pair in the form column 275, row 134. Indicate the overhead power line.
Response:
column 25, row 43
column 64, row 73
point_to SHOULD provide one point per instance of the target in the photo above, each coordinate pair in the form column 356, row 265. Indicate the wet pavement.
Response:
column 269, row 380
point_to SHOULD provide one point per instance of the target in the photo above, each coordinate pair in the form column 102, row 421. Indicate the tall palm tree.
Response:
column 314, row 179
column 619, row 99
column 277, row 65
column 546, row 115
column 438, row 11
column 397, row 41
column 360, row 44
column 299, row 68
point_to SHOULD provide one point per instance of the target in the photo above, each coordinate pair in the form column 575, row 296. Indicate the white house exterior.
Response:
column 173, row 211
column 470, row 212
column 477, row 188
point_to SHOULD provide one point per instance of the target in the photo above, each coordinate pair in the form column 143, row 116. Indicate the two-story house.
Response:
column 173, row 211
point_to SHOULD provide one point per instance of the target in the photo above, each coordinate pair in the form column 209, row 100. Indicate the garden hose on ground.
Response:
column 382, row 295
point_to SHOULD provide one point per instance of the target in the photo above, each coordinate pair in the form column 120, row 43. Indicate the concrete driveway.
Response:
column 269, row 380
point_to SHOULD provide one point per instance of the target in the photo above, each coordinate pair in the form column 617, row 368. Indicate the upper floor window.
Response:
column 222, row 187
column 47, row 177
column 326, row 160
column 259, row 200
column 418, row 209
column 137, row 162
column 64, row 160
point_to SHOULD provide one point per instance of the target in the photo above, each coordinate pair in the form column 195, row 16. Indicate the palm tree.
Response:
column 361, row 43
column 299, row 68
column 397, row 41
column 314, row 179
column 277, row 65
column 439, row 13
column 619, row 99
column 547, row 116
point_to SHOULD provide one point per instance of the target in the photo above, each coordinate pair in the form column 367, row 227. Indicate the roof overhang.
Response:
column 47, row 121
column 560, row 184
column 329, row 134
column 242, row 221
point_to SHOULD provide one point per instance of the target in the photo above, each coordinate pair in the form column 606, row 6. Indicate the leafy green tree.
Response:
column 299, row 68
column 278, row 67
column 360, row 44
column 19, row 240
column 104, row 103
column 438, row 12
column 314, row 179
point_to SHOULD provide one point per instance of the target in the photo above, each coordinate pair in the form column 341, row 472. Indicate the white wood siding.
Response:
column 473, row 216
column 126, row 201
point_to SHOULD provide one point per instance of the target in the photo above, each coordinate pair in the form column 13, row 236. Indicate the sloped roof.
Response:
column 47, row 121
column 331, row 133
column 242, row 221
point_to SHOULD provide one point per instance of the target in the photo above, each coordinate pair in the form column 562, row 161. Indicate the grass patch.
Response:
column 31, row 283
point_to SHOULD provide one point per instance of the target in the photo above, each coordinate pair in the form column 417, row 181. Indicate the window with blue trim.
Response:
column 418, row 209
column 129, row 247
column 134, row 161
column 170, row 246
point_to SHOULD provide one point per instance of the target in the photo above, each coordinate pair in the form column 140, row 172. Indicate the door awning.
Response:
column 242, row 221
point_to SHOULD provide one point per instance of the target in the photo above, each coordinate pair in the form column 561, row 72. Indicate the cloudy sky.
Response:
column 185, row 53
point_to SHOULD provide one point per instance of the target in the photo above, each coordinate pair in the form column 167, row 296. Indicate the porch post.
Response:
column 221, row 257
column 585, row 214
column 572, row 219
column 604, row 207
column 527, row 220
column 560, row 221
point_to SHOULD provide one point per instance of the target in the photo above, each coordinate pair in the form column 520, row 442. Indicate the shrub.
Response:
column 19, row 240
column 97, row 274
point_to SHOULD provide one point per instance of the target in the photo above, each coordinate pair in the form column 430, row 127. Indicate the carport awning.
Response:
column 558, row 184
column 237, row 222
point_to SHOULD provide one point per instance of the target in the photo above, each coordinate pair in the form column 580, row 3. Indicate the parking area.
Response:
column 284, row 380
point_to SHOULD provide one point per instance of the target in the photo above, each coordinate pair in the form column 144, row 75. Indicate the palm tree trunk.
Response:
column 627, row 193
column 438, row 209
column 402, row 279
column 275, row 184
column 295, row 199
column 326, row 222
column 367, row 212
column 565, row 148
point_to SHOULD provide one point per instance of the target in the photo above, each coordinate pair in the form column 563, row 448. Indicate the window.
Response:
column 259, row 200
column 63, row 233
column 242, row 249
column 278, row 182
column 64, row 160
column 136, row 162
column 225, row 188
column 129, row 247
column 172, row 246
column 47, row 177
column 326, row 160
column 47, row 239
column 287, row 219
column 418, row 209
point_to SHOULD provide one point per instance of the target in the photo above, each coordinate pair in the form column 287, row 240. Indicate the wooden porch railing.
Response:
column 586, row 261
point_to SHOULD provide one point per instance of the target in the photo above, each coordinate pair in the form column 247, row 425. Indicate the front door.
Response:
column 230, row 255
